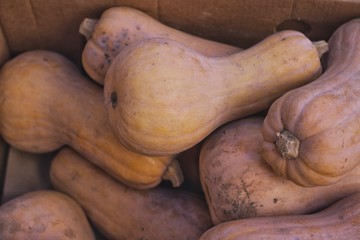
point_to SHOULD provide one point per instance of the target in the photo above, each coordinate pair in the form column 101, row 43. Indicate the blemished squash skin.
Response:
column 163, row 98
column 340, row 221
column 119, row 27
column 44, row 215
column 46, row 103
column 321, row 118
column 120, row 212
column 238, row 183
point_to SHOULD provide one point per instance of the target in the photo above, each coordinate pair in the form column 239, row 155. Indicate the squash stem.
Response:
column 87, row 27
column 174, row 174
column 288, row 145
column 322, row 47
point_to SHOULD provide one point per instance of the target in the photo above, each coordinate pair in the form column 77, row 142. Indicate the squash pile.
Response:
column 172, row 136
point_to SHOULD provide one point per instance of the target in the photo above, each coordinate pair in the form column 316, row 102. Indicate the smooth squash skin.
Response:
column 119, row 27
column 120, row 212
column 311, row 134
column 46, row 103
column 238, row 183
column 163, row 98
column 341, row 221
column 44, row 215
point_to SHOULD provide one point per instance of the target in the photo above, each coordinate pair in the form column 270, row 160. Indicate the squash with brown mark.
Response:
column 238, row 183
column 46, row 103
column 119, row 27
column 339, row 221
column 120, row 212
column 311, row 134
column 163, row 98
column 43, row 215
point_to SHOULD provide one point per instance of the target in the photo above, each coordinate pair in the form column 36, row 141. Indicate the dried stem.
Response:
column 174, row 174
column 87, row 27
column 288, row 145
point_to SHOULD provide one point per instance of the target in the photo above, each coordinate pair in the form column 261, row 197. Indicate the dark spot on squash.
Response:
column 236, row 200
column 113, row 99
column 69, row 233
column 138, row 27
column 45, row 59
column 275, row 200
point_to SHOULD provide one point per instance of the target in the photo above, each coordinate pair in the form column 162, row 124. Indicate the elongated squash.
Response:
column 119, row 27
column 311, row 134
column 46, row 103
column 44, row 215
column 163, row 98
column 120, row 212
column 238, row 183
column 341, row 221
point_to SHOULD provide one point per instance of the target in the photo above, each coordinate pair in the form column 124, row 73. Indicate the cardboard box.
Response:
column 53, row 25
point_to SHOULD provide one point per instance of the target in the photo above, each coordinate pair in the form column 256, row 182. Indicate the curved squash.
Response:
column 44, row 215
column 120, row 212
column 339, row 221
column 119, row 27
column 163, row 98
column 238, row 183
column 46, row 103
column 311, row 134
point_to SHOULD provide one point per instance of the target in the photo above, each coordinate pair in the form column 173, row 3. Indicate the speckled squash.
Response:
column 311, row 134
column 163, row 98
column 120, row 212
column 238, row 183
column 46, row 103
column 44, row 215
column 119, row 27
column 339, row 221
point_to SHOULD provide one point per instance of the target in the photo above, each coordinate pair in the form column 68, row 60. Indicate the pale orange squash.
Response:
column 44, row 215
column 120, row 212
column 46, row 103
column 238, row 183
column 119, row 27
column 163, row 98
column 341, row 221
column 311, row 134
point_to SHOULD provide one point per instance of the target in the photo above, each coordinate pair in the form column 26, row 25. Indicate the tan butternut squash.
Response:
column 238, row 183
column 119, row 27
column 44, row 215
column 311, row 134
column 46, row 103
column 163, row 98
column 341, row 221
column 120, row 212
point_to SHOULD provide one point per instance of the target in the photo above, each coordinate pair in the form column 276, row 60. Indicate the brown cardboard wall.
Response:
column 4, row 50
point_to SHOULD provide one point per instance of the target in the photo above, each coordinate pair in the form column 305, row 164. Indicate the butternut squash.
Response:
column 339, row 221
column 120, row 212
column 46, row 103
column 311, row 134
column 44, row 215
column 238, row 183
column 163, row 98
column 119, row 27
